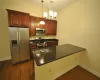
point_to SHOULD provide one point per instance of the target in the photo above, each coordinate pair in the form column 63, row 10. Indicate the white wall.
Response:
column 19, row 5
column 53, row 70
column 79, row 24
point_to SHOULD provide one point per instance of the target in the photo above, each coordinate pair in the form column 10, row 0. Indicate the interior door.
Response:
column 14, row 44
column 24, row 43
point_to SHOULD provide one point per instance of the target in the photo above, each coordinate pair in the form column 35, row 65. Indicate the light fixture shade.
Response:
column 45, row 14
column 55, row 14
column 51, row 13
column 42, row 22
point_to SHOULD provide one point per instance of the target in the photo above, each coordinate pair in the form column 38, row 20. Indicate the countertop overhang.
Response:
column 49, row 54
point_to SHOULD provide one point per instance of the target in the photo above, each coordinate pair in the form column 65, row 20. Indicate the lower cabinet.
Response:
column 33, row 46
column 52, row 43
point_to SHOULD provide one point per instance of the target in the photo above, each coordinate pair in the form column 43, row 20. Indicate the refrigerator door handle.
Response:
column 19, row 41
column 17, row 38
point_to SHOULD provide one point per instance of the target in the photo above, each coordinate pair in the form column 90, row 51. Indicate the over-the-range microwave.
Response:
column 40, row 31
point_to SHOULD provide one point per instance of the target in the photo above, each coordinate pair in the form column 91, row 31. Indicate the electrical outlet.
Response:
column 49, row 70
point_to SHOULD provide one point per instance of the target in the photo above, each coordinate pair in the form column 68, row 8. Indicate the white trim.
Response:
column 5, row 58
column 91, row 70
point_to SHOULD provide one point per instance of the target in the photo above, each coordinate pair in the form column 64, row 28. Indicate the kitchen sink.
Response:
column 45, row 50
column 42, row 52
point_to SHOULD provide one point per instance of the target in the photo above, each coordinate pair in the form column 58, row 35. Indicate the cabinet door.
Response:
column 51, row 26
column 33, row 25
column 18, row 19
column 13, row 18
column 54, row 23
column 33, row 46
column 25, row 21
column 52, row 43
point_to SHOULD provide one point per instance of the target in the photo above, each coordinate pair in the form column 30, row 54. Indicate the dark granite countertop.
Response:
column 49, row 54
column 42, row 40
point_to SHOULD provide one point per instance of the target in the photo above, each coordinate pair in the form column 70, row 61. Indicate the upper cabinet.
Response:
column 18, row 19
column 50, row 26
column 21, row 19
column 35, row 24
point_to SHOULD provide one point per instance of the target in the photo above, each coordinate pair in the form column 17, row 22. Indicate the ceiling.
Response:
column 56, row 5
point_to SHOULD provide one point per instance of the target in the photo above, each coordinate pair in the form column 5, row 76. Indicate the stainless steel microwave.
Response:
column 40, row 31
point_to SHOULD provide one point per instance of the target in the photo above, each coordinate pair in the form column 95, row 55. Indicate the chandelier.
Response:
column 42, row 22
column 50, row 14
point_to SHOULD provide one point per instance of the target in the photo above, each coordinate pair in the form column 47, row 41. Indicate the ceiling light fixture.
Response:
column 51, row 14
column 42, row 22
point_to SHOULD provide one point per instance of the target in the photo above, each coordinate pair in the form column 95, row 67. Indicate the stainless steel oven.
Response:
column 40, row 31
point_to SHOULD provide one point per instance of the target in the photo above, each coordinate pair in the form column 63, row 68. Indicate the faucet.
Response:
column 45, row 44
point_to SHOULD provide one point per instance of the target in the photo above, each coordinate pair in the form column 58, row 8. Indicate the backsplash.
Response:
column 43, row 37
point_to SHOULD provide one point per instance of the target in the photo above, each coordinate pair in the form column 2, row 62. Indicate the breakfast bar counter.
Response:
column 49, row 54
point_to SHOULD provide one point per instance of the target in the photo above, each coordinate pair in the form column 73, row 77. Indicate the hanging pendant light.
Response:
column 42, row 22
column 50, row 14
column 45, row 14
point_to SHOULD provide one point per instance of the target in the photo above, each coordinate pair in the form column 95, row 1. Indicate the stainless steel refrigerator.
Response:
column 19, row 44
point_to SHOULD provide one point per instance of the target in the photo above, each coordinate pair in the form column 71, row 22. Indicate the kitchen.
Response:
column 75, row 26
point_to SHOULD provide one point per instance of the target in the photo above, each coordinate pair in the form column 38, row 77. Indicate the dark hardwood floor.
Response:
column 23, row 71
column 78, row 73
column 2, row 64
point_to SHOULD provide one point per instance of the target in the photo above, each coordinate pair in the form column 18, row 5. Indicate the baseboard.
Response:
column 5, row 58
column 64, row 71
column 91, row 70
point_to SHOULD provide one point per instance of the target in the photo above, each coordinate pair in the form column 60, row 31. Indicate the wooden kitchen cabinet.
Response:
column 18, row 19
column 35, row 24
column 25, row 20
column 33, row 46
column 52, row 43
column 51, row 26
column 12, row 18
column 21, row 19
